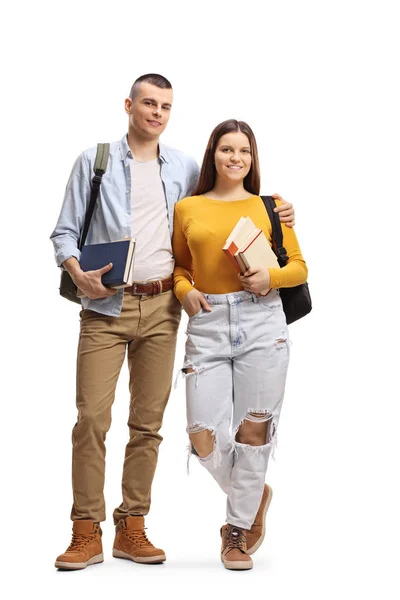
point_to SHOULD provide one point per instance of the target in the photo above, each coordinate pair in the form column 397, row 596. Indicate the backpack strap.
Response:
column 100, row 167
column 277, row 236
column 100, row 164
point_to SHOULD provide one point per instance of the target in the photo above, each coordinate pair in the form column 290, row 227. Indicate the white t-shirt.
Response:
column 153, row 252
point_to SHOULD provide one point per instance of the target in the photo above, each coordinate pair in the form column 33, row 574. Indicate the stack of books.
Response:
column 247, row 247
column 120, row 254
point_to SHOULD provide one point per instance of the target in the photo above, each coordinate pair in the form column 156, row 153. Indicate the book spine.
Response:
column 244, row 261
column 231, row 258
column 243, row 264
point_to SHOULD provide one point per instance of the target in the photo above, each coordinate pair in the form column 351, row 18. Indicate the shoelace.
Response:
column 79, row 541
column 235, row 539
column 138, row 537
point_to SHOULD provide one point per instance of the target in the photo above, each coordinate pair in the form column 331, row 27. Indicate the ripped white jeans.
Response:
column 235, row 369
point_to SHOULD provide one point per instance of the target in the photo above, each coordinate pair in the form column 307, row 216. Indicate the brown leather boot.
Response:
column 233, row 550
column 255, row 535
column 85, row 548
column 131, row 542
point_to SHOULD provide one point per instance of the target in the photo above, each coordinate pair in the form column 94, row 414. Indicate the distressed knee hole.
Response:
column 261, row 415
column 187, row 370
column 256, row 429
column 202, row 440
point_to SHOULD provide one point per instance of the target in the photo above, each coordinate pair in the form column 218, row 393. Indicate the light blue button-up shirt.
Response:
column 111, row 219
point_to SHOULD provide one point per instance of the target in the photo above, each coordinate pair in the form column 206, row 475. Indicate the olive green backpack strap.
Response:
column 100, row 167
column 100, row 164
column 67, row 286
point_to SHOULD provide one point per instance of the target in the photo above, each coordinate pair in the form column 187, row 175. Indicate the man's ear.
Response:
column 128, row 106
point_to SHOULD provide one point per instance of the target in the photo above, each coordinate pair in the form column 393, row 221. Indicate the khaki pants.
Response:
column 146, row 330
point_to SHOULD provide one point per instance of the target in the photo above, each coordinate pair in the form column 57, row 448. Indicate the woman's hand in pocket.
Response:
column 193, row 302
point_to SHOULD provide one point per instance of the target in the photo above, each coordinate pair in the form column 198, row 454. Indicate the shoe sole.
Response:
column 69, row 566
column 237, row 565
column 260, row 540
column 139, row 559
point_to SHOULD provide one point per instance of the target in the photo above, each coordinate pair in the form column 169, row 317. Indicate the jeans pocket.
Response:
column 198, row 314
column 268, row 305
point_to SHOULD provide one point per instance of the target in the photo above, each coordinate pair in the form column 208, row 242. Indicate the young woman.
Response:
column 237, row 349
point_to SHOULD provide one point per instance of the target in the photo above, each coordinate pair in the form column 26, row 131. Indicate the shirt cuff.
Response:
column 275, row 279
column 183, row 288
column 66, row 252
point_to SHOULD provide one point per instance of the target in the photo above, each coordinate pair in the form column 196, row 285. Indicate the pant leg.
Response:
column 101, row 351
column 150, row 360
column 209, row 388
column 259, row 375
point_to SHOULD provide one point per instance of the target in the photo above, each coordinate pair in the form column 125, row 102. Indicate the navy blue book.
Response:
column 120, row 254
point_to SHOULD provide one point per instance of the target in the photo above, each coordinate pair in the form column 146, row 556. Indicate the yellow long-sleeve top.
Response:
column 201, row 227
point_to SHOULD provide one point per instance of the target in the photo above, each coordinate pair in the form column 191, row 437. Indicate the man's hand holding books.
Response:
column 103, row 268
column 89, row 283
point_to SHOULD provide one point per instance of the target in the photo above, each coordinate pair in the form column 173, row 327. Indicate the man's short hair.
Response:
column 154, row 79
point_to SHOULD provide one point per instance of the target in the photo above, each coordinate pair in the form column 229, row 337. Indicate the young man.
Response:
column 143, row 181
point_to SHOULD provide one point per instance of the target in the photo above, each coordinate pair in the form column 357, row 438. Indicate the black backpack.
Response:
column 296, row 300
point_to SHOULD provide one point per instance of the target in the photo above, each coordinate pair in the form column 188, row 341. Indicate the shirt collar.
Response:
column 163, row 153
column 124, row 148
column 126, row 151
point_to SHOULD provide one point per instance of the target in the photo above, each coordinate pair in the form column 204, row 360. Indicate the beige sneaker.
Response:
column 85, row 548
column 255, row 535
column 233, row 550
column 131, row 542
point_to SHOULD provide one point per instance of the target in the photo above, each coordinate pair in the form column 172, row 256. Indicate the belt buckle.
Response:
column 135, row 292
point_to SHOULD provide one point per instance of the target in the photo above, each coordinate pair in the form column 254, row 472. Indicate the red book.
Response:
column 247, row 247
column 239, row 234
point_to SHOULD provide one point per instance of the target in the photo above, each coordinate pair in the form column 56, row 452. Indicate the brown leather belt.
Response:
column 151, row 288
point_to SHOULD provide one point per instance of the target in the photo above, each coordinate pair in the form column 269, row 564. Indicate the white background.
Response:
column 318, row 83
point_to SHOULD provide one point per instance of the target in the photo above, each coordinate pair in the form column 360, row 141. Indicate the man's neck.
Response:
column 142, row 149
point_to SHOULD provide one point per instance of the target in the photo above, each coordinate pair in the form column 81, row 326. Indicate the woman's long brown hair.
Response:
column 208, row 171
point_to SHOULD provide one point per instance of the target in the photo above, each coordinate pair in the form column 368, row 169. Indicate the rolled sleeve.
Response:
column 66, row 234
column 68, row 249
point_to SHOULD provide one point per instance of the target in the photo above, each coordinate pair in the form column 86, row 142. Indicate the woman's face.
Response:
column 233, row 156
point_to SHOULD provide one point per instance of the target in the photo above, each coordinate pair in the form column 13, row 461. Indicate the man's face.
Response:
column 150, row 110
